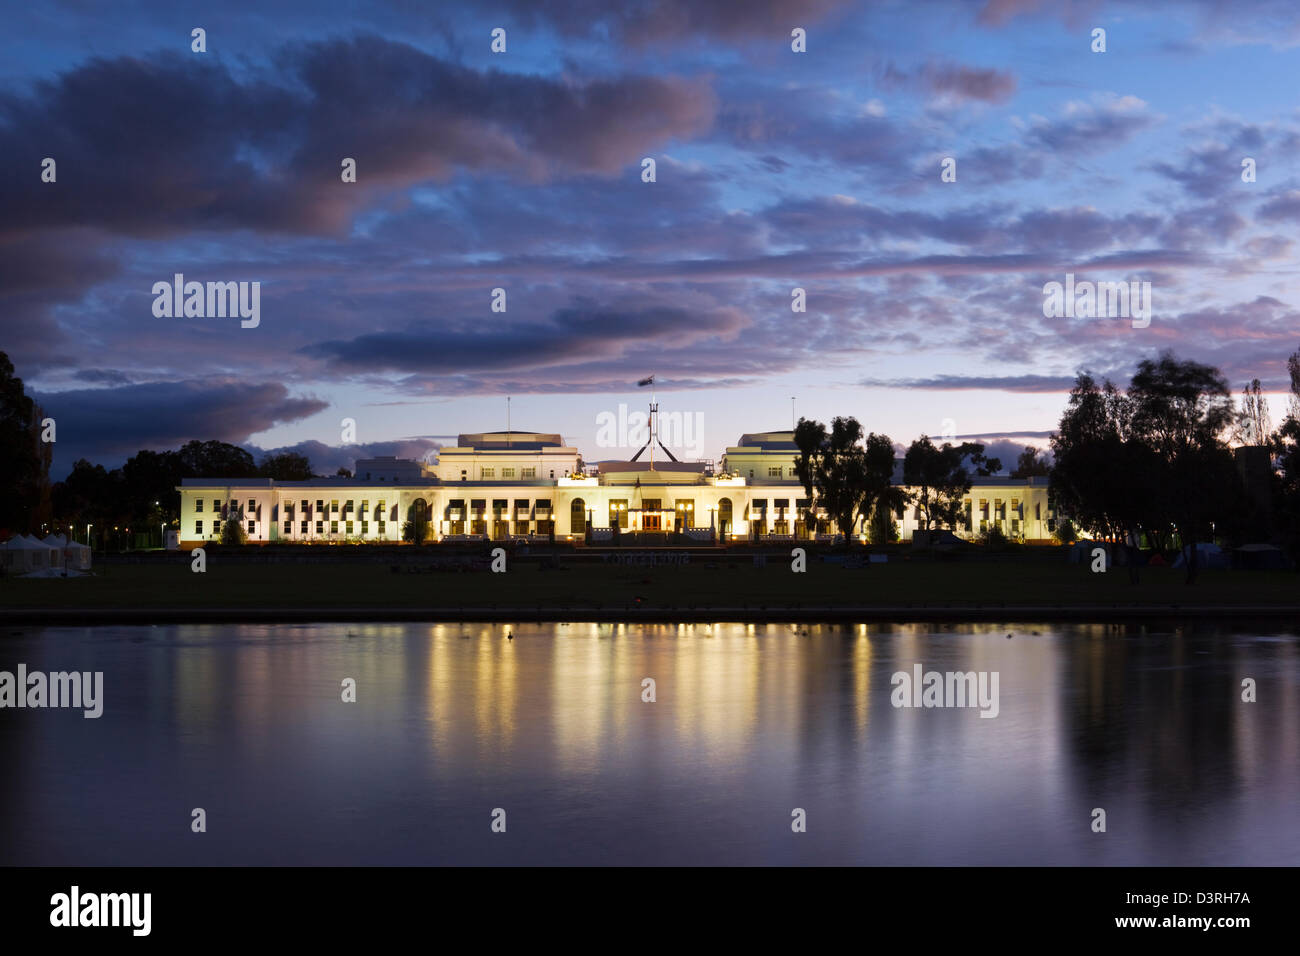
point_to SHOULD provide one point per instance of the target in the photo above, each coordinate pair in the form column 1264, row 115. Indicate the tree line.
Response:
column 1166, row 463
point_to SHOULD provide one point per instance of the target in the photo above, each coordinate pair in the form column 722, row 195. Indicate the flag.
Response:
column 646, row 381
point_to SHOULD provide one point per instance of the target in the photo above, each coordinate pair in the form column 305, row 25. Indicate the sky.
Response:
column 522, row 170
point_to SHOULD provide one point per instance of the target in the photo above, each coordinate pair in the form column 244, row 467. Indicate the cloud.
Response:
column 953, row 83
column 1087, row 128
column 1005, row 383
column 467, row 346
column 110, row 424
column 266, row 154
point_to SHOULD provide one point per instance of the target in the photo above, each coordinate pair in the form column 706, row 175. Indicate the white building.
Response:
column 502, row 485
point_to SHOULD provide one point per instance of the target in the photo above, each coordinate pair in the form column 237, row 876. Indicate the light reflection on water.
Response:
column 750, row 721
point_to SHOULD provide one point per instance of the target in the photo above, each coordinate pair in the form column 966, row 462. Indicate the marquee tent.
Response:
column 21, row 554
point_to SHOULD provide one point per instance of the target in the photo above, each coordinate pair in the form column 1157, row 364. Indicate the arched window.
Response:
column 578, row 517
column 724, row 516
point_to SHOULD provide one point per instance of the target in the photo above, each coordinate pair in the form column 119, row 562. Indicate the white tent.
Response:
column 77, row 556
column 55, row 557
column 71, row 554
column 20, row 554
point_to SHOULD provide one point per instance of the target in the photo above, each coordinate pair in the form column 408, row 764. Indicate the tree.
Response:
column 148, row 477
column 24, row 458
column 417, row 529
column 843, row 473
column 286, row 466
column 1064, row 532
column 343, row 473
column 1030, row 465
column 941, row 479
column 1103, row 478
column 882, row 528
column 232, row 530
column 1180, row 410
column 215, row 459
column 1285, row 446
column 1253, row 426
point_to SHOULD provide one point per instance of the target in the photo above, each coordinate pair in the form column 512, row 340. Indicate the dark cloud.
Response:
column 110, row 424
column 103, row 376
column 647, row 22
column 215, row 150
column 1005, row 383
column 473, row 345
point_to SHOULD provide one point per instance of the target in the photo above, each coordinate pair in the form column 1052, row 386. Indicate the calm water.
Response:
column 750, row 721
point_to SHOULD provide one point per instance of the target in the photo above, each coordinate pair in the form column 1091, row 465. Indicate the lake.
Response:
column 749, row 724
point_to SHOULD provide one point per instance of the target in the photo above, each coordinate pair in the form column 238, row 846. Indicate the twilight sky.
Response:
column 522, row 170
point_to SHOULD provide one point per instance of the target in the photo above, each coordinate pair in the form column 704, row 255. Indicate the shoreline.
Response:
column 742, row 615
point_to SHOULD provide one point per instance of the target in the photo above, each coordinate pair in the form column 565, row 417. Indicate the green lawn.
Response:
column 1041, row 582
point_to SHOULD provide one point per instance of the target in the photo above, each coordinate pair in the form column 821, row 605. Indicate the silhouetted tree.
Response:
column 843, row 473
column 24, row 458
column 286, row 466
column 942, row 479
column 1181, row 410
column 1031, row 465
column 1285, row 445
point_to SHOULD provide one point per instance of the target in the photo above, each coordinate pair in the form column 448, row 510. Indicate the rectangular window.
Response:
column 320, row 505
column 320, row 527
column 349, row 527
column 304, row 506
column 507, row 472
column 488, row 473
column 774, row 472
column 288, row 528
column 381, row 527
column 529, row 473
column 252, row 506
column 302, row 527
column 198, row 527
column 347, row 506
column 334, row 527
column 216, row 506
column 198, row 506
column 216, row 527
column 365, row 527
column 334, row 506
column 1038, row 511
column 252, row 526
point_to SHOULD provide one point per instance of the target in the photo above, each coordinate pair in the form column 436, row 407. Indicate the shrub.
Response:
column 882, row 528
column 232, row 529
column 993, row 538
column 1065, row 532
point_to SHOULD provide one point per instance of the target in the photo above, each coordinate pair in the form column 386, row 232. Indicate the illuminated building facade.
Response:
column 508, row 485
